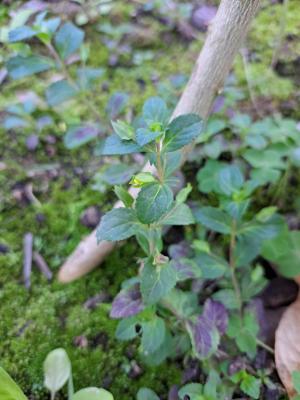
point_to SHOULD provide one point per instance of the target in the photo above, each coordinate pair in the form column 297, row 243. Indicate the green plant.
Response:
column 58, row 372
column 169, row 319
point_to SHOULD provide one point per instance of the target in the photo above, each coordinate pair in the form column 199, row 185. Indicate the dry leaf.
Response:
column 287, row 346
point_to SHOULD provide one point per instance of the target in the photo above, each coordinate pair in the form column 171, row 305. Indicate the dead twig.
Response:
column 27, row 263
column 42, row 265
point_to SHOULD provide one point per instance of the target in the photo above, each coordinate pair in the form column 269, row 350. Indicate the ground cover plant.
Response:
column 187, row 305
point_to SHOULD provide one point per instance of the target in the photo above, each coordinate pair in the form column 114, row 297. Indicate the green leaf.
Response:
column 124, row 196
column 113, row 145
column 192, row 390
column 230, row 179
column 68, row 39
column 153, row 201
column 59, row 92
column 155, row 110
column 228, row 298
column 117, row 224
column 165, row 350
column 208, row 176
column 271, row 159
column 126, row 329
column 78, row 135
column 156, row 282
column 284, row 252
column 183, row 194
column 21, row 33
column 214, row 219
column 153, row 335
column 19, row 67
column 117, row 174
column 92, row 393
column 185, row 303
column 9, row 390
column 57, row 370
column 182, row 131
column 180, row 214
column 251, row 386
column 212, row 266
column 123, row 130
column 262, row 231
column 296, row 380
column 144, row 136
column 146, row 394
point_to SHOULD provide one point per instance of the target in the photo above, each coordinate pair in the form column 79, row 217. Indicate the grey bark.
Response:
column 225, row 37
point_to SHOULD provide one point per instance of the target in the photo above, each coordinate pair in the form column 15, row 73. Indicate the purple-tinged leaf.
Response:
column 184, row 269
column 179, row 250
column 116, row 104
column 32, row 142
column 201, row 336
column 80, row 134
column 216, row 314
column 127, row 303
column 35, row 5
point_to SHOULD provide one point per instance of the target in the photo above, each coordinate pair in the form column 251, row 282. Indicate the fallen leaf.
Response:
column 287, row 346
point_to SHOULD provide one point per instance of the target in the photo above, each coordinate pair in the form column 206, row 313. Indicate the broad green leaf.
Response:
column 153, row 335
column 113, row 145
column 144, row 136
column 124, row 196
column 264, row 176
column 123, row 130
column 230, row 179
column 212, row 266
column 87, row 76
column 19, row 67
column 146, row 394
column 296, row 380
column 207, row 177
column 118, row 174
column 284, row 252
column 182, row 131
column 57, row 370
column 179, row 214
column 155, row 111
column 192, row 390
column 183, row 194
column 126, row 329
column 156, row 282
column 271, row 159
column 21, row 33
column 227, row 297
column 165, row 350
column 185, row 303
column 251, row 386
column 78, row 135
column 117, row 224
column 214, row 219
column 153, row 201
column 59, row 92
column 68, row 39
column 262, row 231
column 92, row 393
column 9, row 390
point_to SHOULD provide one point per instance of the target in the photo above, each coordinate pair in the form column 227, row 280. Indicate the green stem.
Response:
column 160, row 169
column 232, row 265
column 265, row 346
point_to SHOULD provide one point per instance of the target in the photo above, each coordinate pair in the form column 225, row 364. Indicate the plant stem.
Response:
column 69, row 78
column 232, row 265
column 265, row 346
column 52, row 395
column 160, row 169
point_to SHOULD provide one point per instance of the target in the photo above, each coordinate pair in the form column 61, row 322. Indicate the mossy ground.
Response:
column 51, row 315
